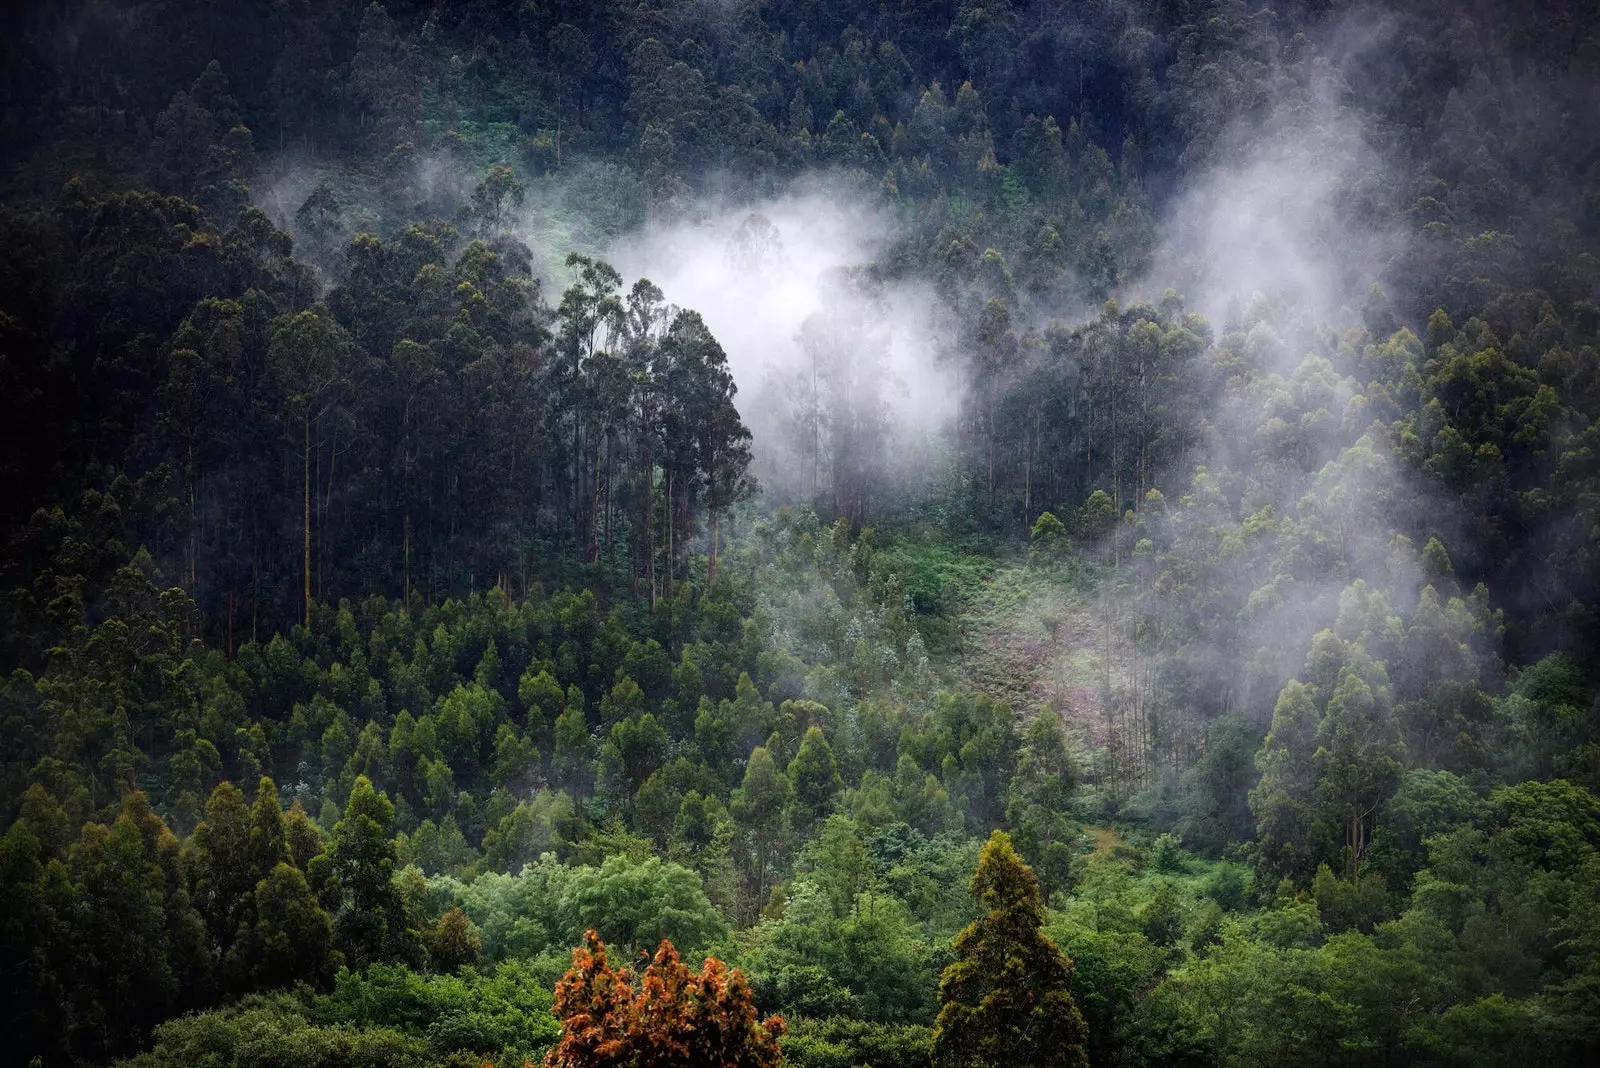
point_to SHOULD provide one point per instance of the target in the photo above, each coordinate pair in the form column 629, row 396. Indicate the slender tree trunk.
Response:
column 671, row 558
column 816, row 429
column 255, row 576
column 306, row 556
column 577, row 483
column 650, row 526
column 326, row 511
column 1027, row 489
column 989, row 418
column 711, row 565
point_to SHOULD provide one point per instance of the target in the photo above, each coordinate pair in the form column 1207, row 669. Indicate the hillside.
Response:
column 992, row 532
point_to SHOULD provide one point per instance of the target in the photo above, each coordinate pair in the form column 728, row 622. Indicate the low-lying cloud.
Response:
column 758, row 272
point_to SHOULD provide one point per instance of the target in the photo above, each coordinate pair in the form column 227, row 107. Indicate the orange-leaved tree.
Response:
column 672, row 1017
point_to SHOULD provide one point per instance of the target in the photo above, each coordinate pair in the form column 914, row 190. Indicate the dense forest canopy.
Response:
column 851, row 534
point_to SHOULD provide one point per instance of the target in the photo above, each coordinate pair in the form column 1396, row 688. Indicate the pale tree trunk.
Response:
column 671, row 508
column 594, row 510
column 711, row 563
column 306, row 555
column 650, row 527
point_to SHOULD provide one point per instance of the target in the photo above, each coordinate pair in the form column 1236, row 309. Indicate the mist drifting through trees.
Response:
column 840, row 534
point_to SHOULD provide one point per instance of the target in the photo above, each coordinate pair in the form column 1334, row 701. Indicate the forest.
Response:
column 859, row 534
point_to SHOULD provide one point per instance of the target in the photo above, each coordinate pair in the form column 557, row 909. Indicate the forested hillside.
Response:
column 851, row 534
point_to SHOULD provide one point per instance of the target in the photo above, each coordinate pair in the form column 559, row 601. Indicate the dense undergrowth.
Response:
column 393, row 591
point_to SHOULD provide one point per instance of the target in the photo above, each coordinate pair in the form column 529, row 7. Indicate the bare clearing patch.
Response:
column 1035, row 637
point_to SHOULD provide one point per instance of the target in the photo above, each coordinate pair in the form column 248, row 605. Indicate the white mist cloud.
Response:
column 755, row 300
column 1270, row 215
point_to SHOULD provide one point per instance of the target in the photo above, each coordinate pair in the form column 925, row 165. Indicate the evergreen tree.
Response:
column 370, row 922
column 814, row 775
column 1357, row 760
column 674, row 1018
column 1287, row 838
column 1007, row 998
column 455, row 942
column 269, row 836
column 758, row 810
column 225, row 869
column 1041, row 791
column 292, row 941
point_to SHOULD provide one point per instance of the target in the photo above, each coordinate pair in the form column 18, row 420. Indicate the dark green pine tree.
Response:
column 1007, row 999
column 814, row 774
column 370, row 922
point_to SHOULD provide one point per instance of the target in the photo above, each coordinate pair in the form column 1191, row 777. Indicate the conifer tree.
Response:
column 814, row 775
column 673, row 1018
column 1007, row 999
column 224, row 873
column 370, row 924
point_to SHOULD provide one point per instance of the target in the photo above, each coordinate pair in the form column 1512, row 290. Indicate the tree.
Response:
column 570, row 57
column 544, row 701
column 303, row 838
column 1047, row 541
column 758, row 810
column 814, row 775
column 455, row 942
column 639, row 904
column 140, row 949
column 370, row 923
column 224, row 870
column 1286, row 843
column 383, row 79
column 868, row 959
column 310, row 361
column 269, row 837
column 495, row 201
column 292, row 941
column 1041, row 791
column 319, row 222
column 1357, row 760
column 1007, row 999
column 704, row 390
column 641, row 744
column 673, row 1018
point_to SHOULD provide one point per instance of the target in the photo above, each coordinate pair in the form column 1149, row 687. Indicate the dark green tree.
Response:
column 1007, row 999
column 370, row 921
column 814, row 775
column 292, row 940
column 758, row 811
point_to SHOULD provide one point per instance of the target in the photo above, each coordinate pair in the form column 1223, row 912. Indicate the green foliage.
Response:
column 370, row 921
column 1008, row 996
column 842, row 1042
column 1041, row 795
column 866, row 960
column 263, row 1031
column 814, row 775
column 549, row 905
column 1047, row 541
column 502, row 1011
column 293, row 937
column 417, row 509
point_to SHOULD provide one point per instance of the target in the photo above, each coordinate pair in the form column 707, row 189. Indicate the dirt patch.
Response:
column 1034, row 638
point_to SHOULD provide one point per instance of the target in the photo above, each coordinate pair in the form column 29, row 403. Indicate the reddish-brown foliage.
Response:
column 673, row 1018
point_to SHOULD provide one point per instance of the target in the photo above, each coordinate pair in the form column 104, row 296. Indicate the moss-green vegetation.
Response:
column 1023, row 662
